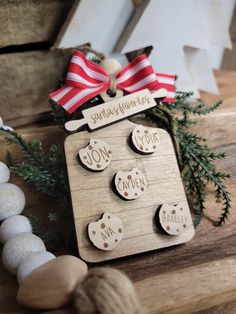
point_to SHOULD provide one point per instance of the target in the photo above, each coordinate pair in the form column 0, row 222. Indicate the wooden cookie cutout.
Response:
column 96, row 156
column 107, row 232
column 145, row 139
column 130, row 184
column 174, row 218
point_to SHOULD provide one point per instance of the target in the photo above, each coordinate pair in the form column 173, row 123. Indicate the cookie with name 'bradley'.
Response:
column 174, row 218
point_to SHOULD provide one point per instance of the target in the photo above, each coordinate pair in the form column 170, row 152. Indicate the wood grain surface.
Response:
column 92, row 193
column 27, row 79
column 204, row 268
column 31, row 21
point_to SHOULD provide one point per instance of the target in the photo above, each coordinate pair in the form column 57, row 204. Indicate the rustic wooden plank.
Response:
column 30, row 21
column 26, row 80
column 211, row 284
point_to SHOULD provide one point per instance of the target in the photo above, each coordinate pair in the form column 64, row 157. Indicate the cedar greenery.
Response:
column 47, row 171
column 195, row 158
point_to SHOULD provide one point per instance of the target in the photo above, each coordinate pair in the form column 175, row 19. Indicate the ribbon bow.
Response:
column 85, row 79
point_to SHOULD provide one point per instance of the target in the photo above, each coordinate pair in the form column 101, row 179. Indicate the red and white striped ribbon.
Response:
column 85, row 79
column 167, row 81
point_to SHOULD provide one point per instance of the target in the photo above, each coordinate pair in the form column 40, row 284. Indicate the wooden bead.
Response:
column 51, row 285
column 12, row 200
column 106, row 97
column 96, row 156
column 111, row 66
column 145, row 139
column 4, row 173
column 31, row 262
column 107, row 232
column 130, row 184
column 18, row 247
column 14, row 225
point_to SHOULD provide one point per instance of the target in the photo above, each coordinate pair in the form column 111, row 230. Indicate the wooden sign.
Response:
column 93, row 193
column 113, row 111
column 107, row 232
column 130, row 184
column 174, row 218
column 145, row 139
column 96, row 155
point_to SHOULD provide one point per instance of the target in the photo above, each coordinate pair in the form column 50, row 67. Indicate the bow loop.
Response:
column 83, row 73
column 86, row 79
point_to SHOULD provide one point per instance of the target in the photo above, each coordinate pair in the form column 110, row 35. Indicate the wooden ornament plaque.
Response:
column 93, row 193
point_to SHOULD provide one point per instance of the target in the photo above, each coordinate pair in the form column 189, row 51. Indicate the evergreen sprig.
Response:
column 46, row 171
column 195, row 158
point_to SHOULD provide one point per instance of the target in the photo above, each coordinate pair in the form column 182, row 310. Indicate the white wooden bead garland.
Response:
column 4, row 173
column 24, row 254
column 14, row 225
column 18, row 248
column 12, row 200
column 31, row 262
column 16, row 231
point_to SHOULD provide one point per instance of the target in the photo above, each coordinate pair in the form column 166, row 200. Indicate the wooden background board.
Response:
column 92, row 194
column 200, row 262
column 31, row 21
column 30, row 70
column 27, row 79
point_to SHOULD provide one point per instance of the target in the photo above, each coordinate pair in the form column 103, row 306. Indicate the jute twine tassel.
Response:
column 106, row 291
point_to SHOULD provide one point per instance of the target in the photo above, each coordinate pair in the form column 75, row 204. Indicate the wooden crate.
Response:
column 28, row 71
column 31, row 21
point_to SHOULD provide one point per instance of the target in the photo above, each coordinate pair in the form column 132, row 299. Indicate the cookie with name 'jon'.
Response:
column 96, row 156
column 174, row 218
column 107, row 232
column 145, row 139
column 130, row 184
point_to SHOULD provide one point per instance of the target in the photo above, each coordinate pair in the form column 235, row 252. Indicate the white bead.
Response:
column 1, row 121
column 31, row 262
column 4, row 173
column 12, row 200
column 18, row 247
column 111, row 66
column 12, row 226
